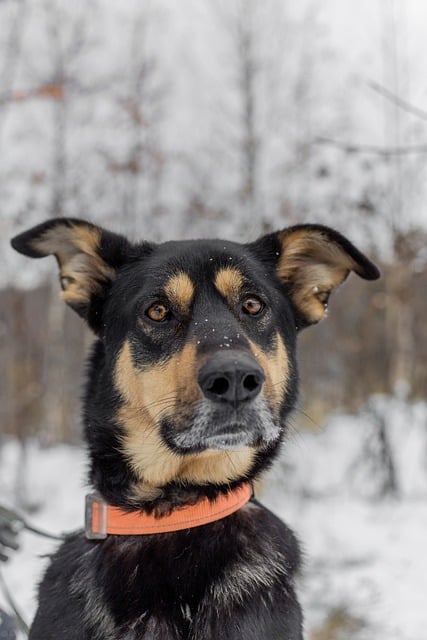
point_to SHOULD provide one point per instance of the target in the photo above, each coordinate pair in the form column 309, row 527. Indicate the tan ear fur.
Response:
column 314, row 261
column 76, row 248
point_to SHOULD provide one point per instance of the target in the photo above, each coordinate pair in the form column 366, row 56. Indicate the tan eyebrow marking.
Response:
column 229, row 282
column 180, row 291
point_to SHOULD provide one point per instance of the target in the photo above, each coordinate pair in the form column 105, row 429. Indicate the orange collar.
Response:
column 102, row 519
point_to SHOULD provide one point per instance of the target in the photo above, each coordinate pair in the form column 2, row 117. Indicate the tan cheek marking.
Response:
column 148, row 456
column 148, row 394
column 229, row 282
column 276, row 369
column 158, row 387
column 180, row 291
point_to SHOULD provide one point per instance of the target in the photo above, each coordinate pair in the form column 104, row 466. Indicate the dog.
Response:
column 190, row 382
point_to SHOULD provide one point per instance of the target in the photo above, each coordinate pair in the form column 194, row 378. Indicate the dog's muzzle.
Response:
column 233, row 413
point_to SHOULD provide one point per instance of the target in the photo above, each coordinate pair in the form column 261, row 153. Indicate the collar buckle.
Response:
column 95, row 517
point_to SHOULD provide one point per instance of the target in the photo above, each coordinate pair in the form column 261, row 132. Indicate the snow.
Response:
column 365, row 563
column 366, row 558
column 54, row 495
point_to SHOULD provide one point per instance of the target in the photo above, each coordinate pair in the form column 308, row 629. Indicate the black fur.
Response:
column 234, row 578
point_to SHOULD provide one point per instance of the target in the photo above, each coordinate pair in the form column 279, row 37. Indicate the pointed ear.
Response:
column 311, row 261
column 88, row 257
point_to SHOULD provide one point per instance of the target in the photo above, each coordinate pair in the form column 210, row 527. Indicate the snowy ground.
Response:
column 365, row 573
column 366, row 567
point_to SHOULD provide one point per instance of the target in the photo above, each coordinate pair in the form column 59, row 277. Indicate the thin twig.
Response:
column 406, row 106
column 350, row 147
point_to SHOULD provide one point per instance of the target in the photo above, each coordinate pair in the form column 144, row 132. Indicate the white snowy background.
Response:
column 365, row 560
column 231, row 118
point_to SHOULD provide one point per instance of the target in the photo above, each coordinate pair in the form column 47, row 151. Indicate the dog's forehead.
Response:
column 191, row 254
column 184, row 268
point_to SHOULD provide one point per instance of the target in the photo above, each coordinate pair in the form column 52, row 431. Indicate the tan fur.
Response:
column 76, row 249
column 217, row 466
column 156, row 385
column 151, row 394
column 313, row 266
column 180, row 291
column 229, row 282
column 276, row 369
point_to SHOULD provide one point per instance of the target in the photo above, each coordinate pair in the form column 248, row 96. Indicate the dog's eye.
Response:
column 252, row 306
column 158, row 312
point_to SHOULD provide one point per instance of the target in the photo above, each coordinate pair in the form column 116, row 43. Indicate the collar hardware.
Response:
column 96, row 510
column 102, row 519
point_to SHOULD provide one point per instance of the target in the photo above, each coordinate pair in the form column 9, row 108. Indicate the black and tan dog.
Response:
column 190, row 383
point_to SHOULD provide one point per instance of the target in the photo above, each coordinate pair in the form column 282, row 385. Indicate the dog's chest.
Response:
column 147, row 583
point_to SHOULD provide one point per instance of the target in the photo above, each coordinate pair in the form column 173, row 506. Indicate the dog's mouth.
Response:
column 230, row 437
column 217, row 428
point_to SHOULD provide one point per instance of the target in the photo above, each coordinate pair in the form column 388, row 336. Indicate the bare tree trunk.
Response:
column 400, row 322
column 59, row 106
column 139, row 171
column 248, row 74
column 59, row 163
column 11, row 58
column 135, row 107
column 399, row 315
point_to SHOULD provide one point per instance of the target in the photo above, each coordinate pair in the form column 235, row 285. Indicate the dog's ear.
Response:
column 311, row 261
column 88, row 257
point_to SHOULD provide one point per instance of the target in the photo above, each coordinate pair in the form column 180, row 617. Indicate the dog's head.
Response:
column 194, row 372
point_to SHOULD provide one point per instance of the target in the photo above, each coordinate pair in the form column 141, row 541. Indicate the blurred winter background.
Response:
column 231, row 118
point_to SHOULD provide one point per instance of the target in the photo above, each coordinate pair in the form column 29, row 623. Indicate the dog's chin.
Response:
column 234, row 439
column 229, row 439
column 211, row 429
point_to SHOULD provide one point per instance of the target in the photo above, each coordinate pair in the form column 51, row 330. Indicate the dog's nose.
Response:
column 232, row 378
